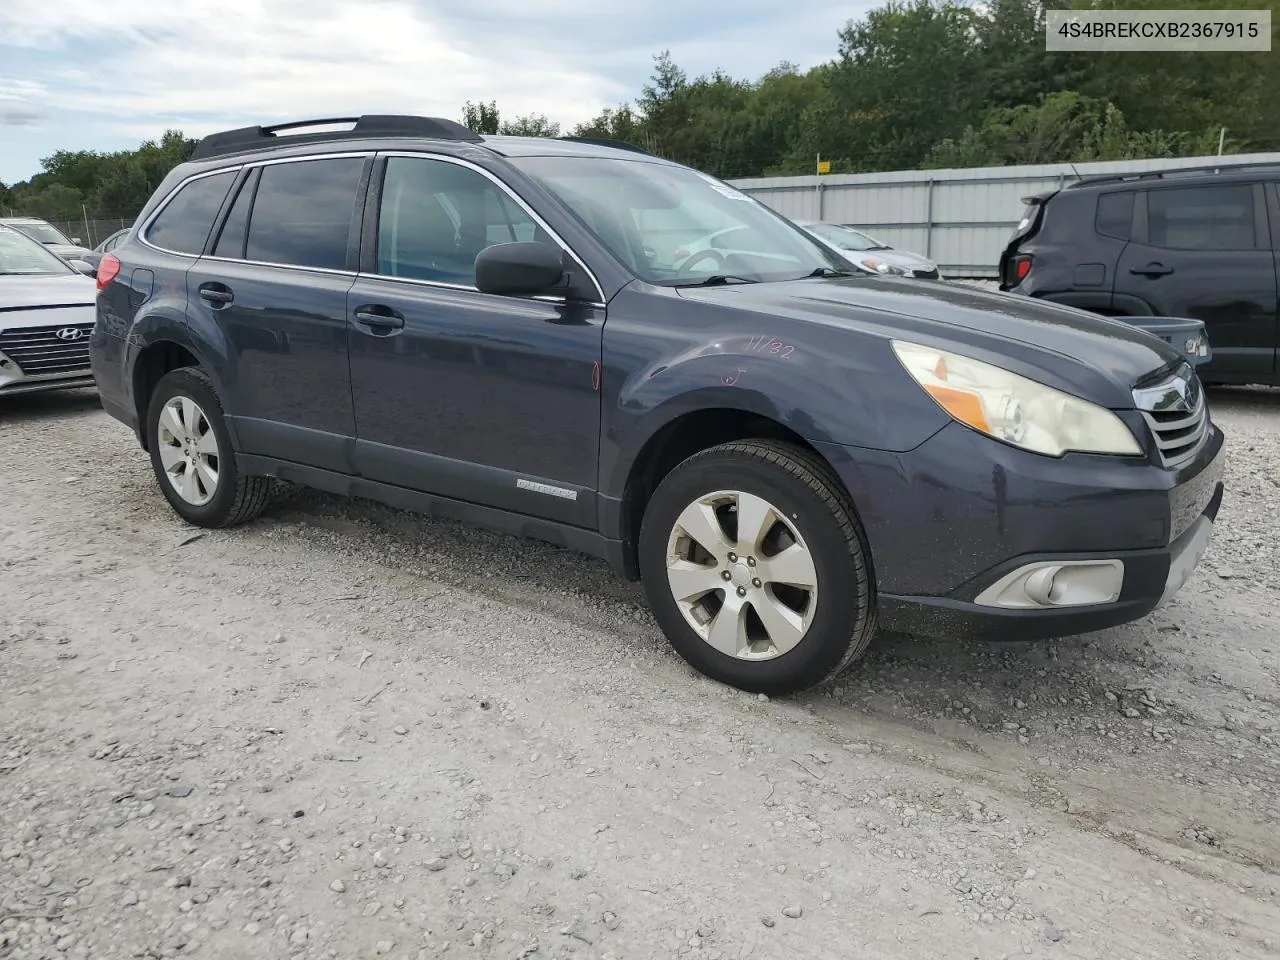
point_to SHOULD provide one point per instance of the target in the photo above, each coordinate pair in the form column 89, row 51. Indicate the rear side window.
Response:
column 1202, row 218
column 303, row 212
column 184, row 224
column 1115, row 214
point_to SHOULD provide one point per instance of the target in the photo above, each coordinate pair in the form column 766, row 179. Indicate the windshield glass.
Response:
column 671, row 225
column 846, row 238
column 21, row 256
column 41, row 231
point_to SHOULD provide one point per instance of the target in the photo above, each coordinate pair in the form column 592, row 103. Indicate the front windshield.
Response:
column 671, row 225
column 846, row 238
column 42, row 232
column 22, row 256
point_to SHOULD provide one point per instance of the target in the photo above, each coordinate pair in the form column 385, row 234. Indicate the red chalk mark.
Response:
column 729, row 379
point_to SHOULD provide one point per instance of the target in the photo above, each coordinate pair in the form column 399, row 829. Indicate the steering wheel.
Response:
column 700, row 256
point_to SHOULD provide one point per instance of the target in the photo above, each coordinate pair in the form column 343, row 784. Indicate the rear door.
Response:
column 1205, row 252
column 273, row 291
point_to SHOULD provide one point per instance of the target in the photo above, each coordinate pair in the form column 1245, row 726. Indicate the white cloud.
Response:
column 270, row 59
column 91, row 74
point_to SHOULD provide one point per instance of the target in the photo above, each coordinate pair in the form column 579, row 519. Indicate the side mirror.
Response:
column 83, row 266
column 75, row 239
column 524, row 268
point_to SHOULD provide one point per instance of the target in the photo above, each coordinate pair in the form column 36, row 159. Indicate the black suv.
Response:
column 498, row 330
column 1196, row 243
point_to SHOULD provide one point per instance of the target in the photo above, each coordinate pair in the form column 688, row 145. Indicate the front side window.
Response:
column 21, row 256
column 1201, row 218
column 671, row 225
column 303, row 212
column 435, row 217
column 183, row 225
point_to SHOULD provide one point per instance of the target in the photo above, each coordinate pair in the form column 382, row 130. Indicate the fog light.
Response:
column 1056, row 583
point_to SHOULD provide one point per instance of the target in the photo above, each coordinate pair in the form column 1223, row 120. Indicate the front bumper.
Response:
column 951, row 521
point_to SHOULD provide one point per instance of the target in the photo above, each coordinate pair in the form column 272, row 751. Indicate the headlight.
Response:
column 1014, row 409
column 879, row 266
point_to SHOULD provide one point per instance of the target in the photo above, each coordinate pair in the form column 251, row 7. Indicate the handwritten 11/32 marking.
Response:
column 770, row 347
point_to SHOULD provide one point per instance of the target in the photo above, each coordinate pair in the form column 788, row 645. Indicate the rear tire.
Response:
column 192, row 455
column 795, row 582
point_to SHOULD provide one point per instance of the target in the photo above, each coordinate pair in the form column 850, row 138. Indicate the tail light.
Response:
column 1021, row 267
column 108, row 268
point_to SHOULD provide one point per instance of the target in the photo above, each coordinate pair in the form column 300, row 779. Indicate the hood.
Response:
column 46, row 290
column 1091, row 356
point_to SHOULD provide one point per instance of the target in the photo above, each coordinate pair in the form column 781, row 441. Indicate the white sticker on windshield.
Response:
column 725, row 190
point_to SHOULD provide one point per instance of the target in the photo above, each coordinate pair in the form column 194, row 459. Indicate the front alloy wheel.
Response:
column 742, row 575
column 757, row 568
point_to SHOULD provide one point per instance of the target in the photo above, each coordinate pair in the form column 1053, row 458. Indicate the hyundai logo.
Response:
column 69, row 333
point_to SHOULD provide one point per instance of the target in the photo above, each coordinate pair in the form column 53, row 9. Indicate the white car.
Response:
column 871, row 254
column 46, row 316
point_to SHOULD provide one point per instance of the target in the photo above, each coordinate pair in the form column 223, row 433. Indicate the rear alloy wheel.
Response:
column 756, row 567
column 192, row 455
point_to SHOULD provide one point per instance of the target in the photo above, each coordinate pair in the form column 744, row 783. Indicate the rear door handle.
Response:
column 1151, row 270
column 381, row 319
column 216, row 294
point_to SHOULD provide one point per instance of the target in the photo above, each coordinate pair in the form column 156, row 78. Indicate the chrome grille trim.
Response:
column 39, row 350
column 1177, row 414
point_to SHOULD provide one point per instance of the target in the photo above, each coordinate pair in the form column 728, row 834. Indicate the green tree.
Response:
column 481, row 117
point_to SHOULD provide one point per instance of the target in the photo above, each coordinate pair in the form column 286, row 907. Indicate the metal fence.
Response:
column 92, row 231
column 961, row 219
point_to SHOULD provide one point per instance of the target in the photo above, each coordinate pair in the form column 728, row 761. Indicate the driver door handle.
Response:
column 1151, row 270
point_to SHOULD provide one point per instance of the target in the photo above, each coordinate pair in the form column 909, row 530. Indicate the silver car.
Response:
column 68, row 248
column 871, row 254
column 46, row 316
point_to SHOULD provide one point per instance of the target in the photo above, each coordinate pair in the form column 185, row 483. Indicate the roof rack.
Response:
column 370, row 125
column 603, row 142
column 1256, row 165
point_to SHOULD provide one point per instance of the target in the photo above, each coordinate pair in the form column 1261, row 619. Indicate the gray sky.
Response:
column 88, row 74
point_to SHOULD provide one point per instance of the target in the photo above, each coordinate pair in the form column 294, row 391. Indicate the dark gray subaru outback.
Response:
column 498, row 330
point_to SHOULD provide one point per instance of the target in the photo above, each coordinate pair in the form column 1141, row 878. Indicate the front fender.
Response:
column 823, row 395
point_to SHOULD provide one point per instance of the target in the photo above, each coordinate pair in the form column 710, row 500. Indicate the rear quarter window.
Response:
column 1114, row 216
column 183, row 225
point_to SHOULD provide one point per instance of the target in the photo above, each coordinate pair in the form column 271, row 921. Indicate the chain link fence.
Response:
column 92, row 231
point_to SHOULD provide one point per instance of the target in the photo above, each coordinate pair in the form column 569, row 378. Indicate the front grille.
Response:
column 1177, row 414
column 39, row 350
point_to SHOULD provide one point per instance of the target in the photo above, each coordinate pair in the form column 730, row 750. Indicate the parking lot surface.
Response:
column 344, row 731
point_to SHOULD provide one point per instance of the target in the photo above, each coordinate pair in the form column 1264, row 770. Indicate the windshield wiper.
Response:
column 717, row 280
column 828, row 272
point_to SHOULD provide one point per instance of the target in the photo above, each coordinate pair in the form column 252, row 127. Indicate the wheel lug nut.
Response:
column 742, row 591
column 726, row 575
column 751, row 561
column 733, row 558
column 755, row 583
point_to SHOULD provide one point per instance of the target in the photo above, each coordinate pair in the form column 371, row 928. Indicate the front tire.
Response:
column 192, row 455
column 756, row 567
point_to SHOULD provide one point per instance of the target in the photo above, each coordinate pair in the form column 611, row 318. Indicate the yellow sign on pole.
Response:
column 824, row 166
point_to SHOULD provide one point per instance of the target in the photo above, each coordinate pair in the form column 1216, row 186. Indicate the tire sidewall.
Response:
column 843, row 597
column 187, row 382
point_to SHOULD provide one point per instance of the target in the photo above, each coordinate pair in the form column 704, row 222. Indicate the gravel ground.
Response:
column 343, row 731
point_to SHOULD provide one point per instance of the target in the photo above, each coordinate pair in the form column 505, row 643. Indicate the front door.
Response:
column 487, row 399
column 1205, row 252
